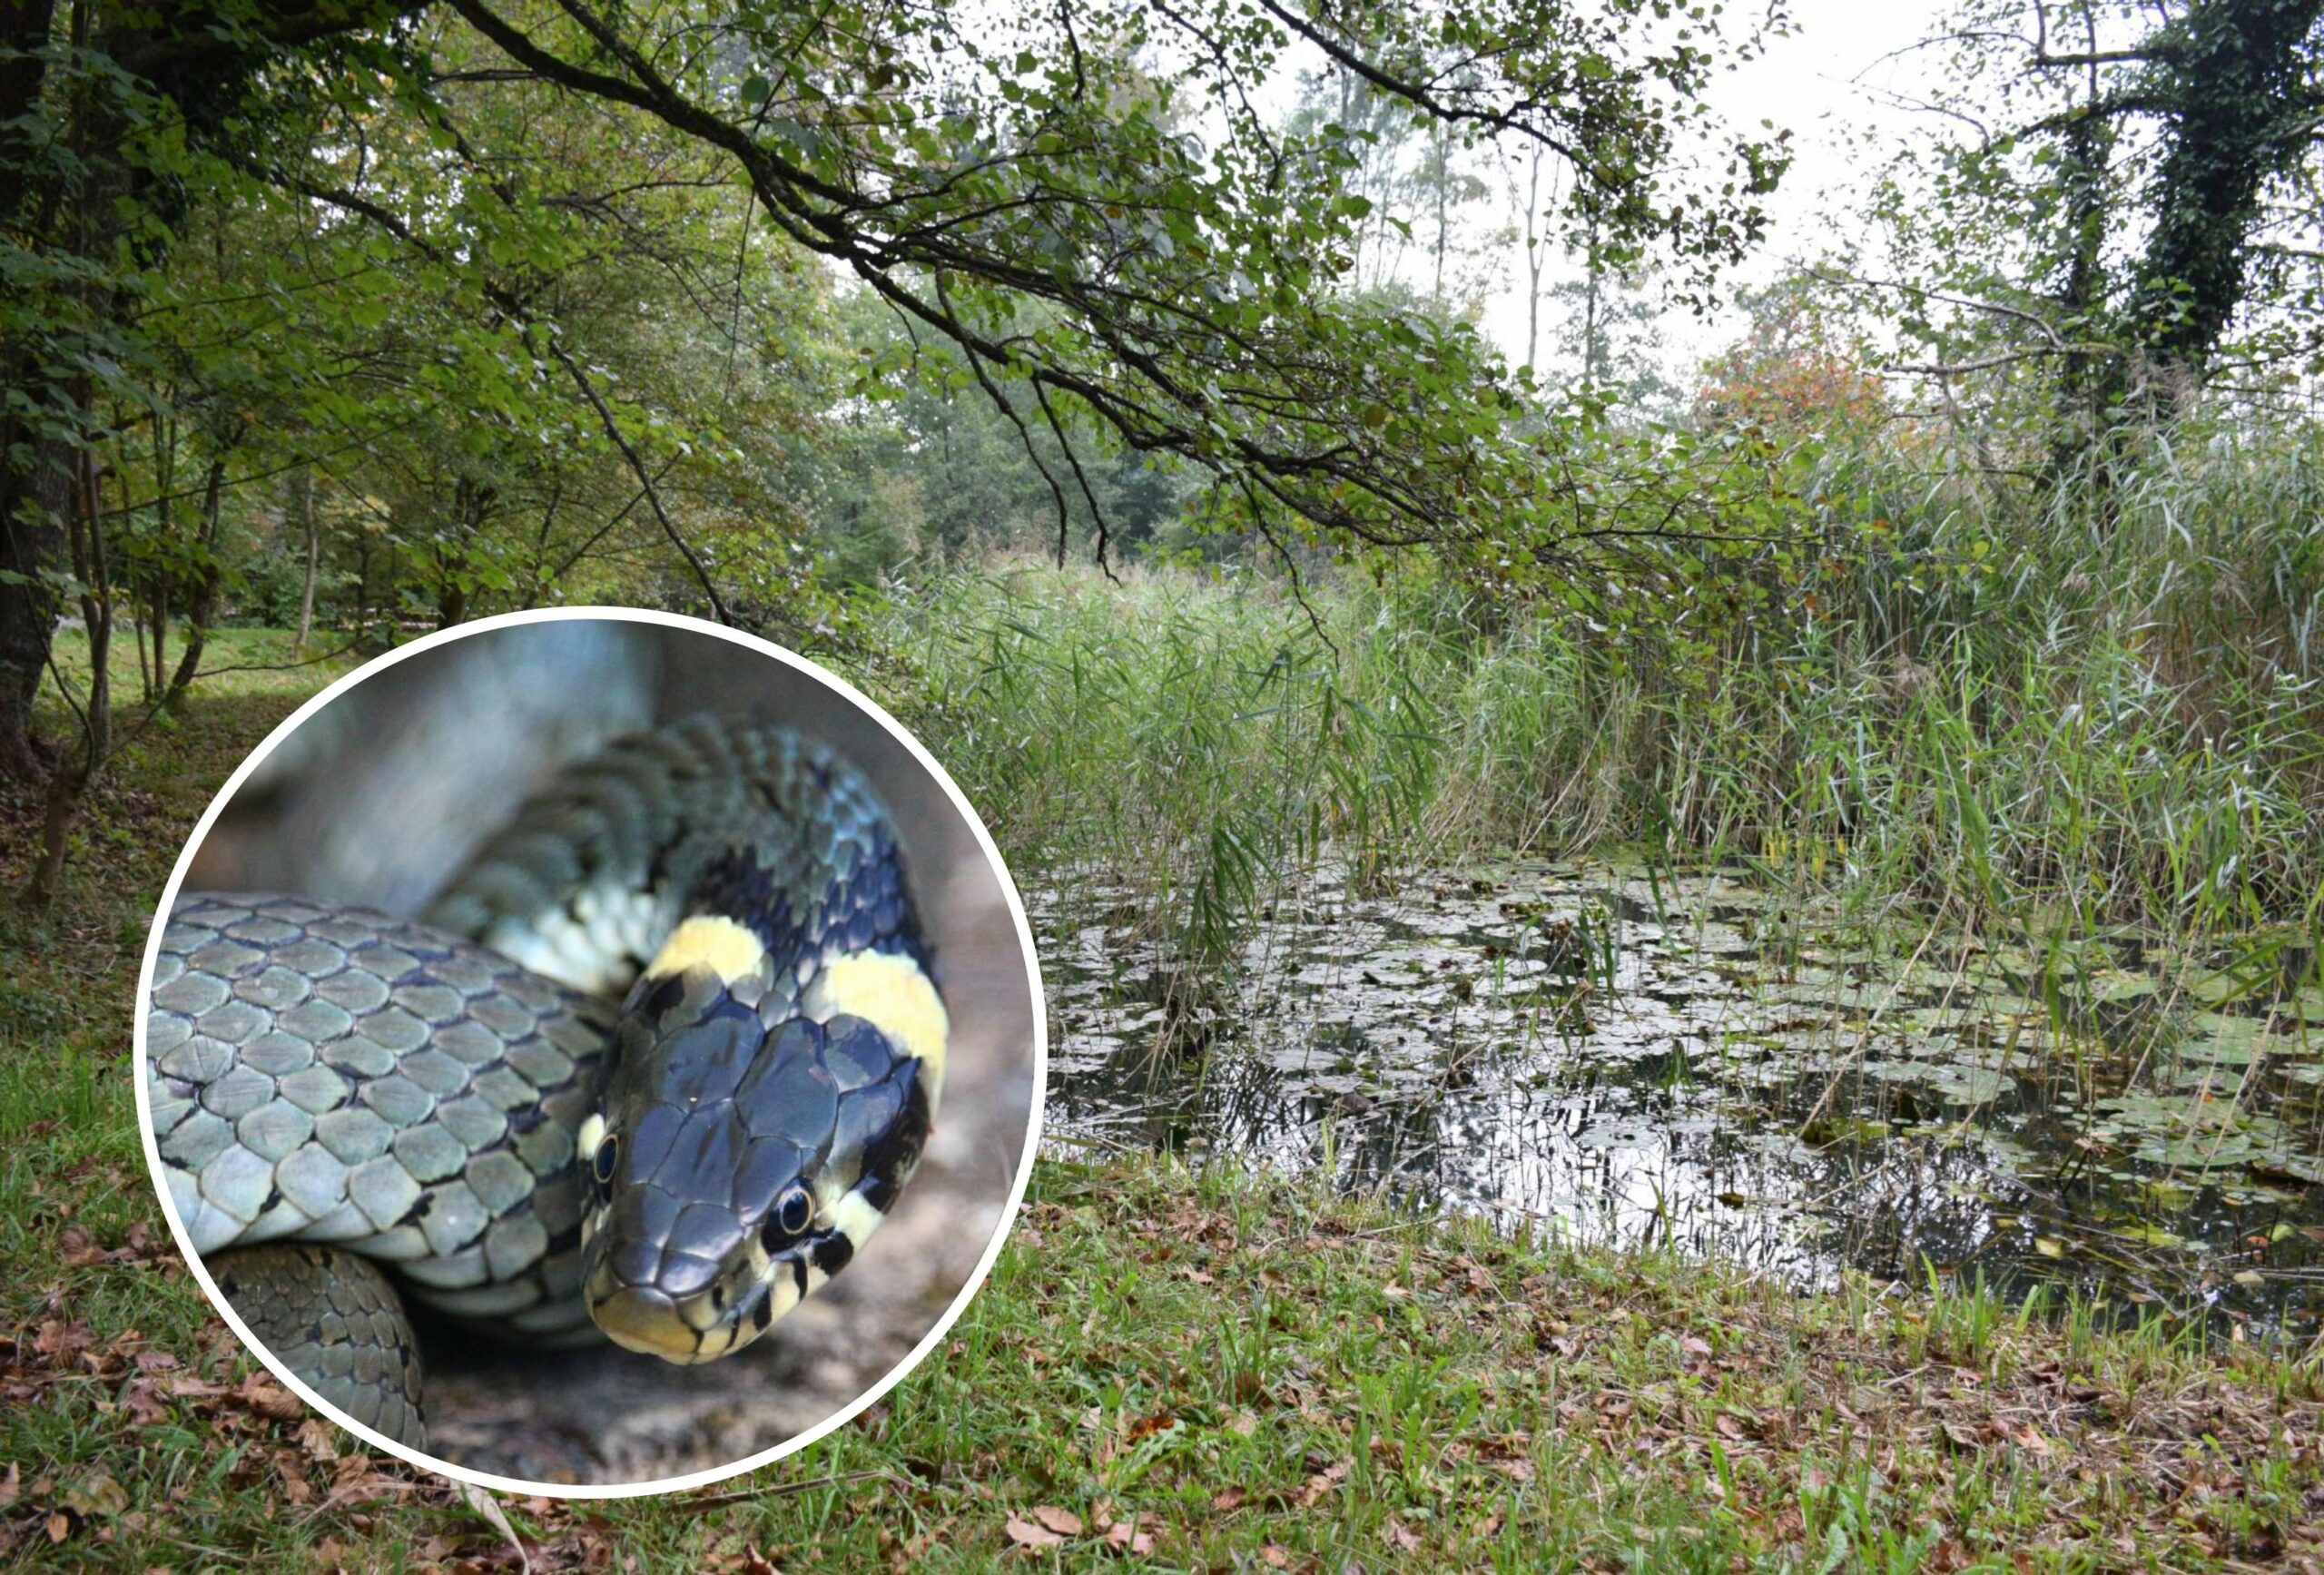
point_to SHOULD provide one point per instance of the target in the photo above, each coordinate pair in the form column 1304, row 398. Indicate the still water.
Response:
column 1603, row 1056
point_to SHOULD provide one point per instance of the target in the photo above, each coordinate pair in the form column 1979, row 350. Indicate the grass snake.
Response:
column 656, row 1063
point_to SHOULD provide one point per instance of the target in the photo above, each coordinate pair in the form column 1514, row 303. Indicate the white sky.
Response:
column 1826, row 82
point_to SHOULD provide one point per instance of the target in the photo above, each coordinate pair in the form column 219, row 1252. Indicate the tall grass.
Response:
column 2065, row 708
column 1190, row 740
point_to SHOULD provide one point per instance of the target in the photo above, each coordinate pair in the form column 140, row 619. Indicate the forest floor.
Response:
column 1168, row 1368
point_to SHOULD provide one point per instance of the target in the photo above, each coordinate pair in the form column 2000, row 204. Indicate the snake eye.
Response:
column 601, row 1163
column 789, row 1216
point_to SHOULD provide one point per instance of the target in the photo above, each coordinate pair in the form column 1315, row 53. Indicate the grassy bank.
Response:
column 1213, row 1370
column 1218, row 1372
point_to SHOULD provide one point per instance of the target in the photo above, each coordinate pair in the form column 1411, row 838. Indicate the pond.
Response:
column 1604, row 1055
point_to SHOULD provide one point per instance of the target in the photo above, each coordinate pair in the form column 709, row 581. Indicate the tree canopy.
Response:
column 2121, row 202
column 250, row 239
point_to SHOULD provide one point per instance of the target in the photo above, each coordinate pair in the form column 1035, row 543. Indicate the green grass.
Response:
column 1247, row 1372
column 1251, row 1374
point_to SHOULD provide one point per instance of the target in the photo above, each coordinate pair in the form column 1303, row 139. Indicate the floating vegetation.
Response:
column 1689, row 1059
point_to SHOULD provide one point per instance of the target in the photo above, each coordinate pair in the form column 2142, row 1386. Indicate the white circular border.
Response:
column 846, row 1413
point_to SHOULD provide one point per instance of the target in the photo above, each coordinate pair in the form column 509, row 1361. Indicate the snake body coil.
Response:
column 351, row 1107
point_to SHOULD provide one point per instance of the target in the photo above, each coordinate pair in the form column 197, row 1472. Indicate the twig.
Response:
column 785, row 1490
column 645, row 479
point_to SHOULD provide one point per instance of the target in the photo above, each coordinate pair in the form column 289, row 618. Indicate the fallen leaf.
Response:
column 270, row 1399
column 57, row 1338
column 145, row 1407
column 319, row 1438
column 488, row 1510
column 1064, row 1522
column 1400, row 1535
column 1026, row 1534
column 97, row 1495
column 1126, row 1535
column 1152, row 1422
column 1228, row 1501
column 1324, row 1480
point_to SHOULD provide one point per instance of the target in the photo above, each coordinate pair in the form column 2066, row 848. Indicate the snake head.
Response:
column 736, row 1166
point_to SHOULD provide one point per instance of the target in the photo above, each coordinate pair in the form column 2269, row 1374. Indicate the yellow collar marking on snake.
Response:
column 727, row 948
column 887, row 990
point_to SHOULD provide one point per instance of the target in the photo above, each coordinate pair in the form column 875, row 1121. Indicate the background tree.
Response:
column 1019, row 187
column 2121, row 205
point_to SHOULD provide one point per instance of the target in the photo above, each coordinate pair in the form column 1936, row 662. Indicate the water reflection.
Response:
column 1579, row 1051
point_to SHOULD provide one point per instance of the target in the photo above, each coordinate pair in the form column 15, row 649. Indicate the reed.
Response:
column 2022, row 711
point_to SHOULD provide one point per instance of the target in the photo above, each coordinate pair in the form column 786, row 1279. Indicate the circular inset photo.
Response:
column 590, row 1052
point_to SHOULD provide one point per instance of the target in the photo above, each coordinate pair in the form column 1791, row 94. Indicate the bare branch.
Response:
column 637, row 468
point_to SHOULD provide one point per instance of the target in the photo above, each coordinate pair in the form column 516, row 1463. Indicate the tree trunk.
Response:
column 24, row 29
column 303, row 490
column 77, row 765
column 33, row 497
column 2239, row 118
column 191, row 49
column 204, row 606
column 161, row 636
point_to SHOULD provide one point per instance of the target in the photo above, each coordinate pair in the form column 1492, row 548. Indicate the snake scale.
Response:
column 656, row 1063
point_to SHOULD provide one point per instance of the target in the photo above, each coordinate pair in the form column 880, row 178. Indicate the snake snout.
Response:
column 677, row 1305
column 641, row 1318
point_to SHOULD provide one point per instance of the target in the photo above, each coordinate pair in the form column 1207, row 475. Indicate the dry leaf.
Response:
column 1026, row 1534
column 58, row 1339
column 270, row 1399
column 1064, row 1522
column 1152, row 1422
column 96, row 1494
column 1228, row 1501
column 145, row 1407
column 1324, row 1480
column 319, row 1438
column 489, row 1508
